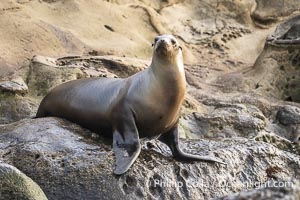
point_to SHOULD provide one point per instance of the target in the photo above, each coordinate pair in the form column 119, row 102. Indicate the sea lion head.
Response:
column 166, row 47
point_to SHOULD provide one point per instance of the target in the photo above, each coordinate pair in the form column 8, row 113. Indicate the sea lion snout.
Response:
column 165, row 45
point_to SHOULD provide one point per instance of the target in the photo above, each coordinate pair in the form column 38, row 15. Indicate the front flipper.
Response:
column 171, row 138
column 126, row 144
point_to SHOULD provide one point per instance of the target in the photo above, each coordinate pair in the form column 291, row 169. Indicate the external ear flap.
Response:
column 180, row 48
column 152, row 44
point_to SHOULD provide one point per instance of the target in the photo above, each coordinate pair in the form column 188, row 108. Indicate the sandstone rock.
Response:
column 69, row 162
column 286, row 33
column 15, row 85
column 275, row 72
column 268, row 12
column 14, row 107
column 16, row 185
column 129, row 33
column 43, row 74
column 14, row 104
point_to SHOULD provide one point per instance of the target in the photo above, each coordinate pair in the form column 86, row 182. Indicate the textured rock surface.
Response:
column 227, row 120
column 289, row 115
column 69, row 162
column 275, row 73
column 242, row 102
column 287, row 192
column 286, row 33
column 268, row 12
column 14, row 107
column 15, row 85
column 16, row 185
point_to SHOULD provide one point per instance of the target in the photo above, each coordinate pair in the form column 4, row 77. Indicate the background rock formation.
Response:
column 242, row 69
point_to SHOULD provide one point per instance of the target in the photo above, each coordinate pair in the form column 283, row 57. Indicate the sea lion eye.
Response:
column 173, row 42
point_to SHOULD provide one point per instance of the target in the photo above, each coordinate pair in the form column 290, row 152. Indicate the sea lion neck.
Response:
column 169, row 76
column 165, row 69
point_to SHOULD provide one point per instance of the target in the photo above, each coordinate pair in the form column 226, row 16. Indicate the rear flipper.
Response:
column 126, row 144
column 171, row 138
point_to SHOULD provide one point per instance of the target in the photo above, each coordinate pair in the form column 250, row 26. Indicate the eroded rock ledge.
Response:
column 69, row 162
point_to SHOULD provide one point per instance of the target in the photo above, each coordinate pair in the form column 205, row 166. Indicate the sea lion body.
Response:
column 94, row 102
column 146, row 104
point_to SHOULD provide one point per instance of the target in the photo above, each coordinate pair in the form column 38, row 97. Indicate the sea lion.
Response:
column 145, row 104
